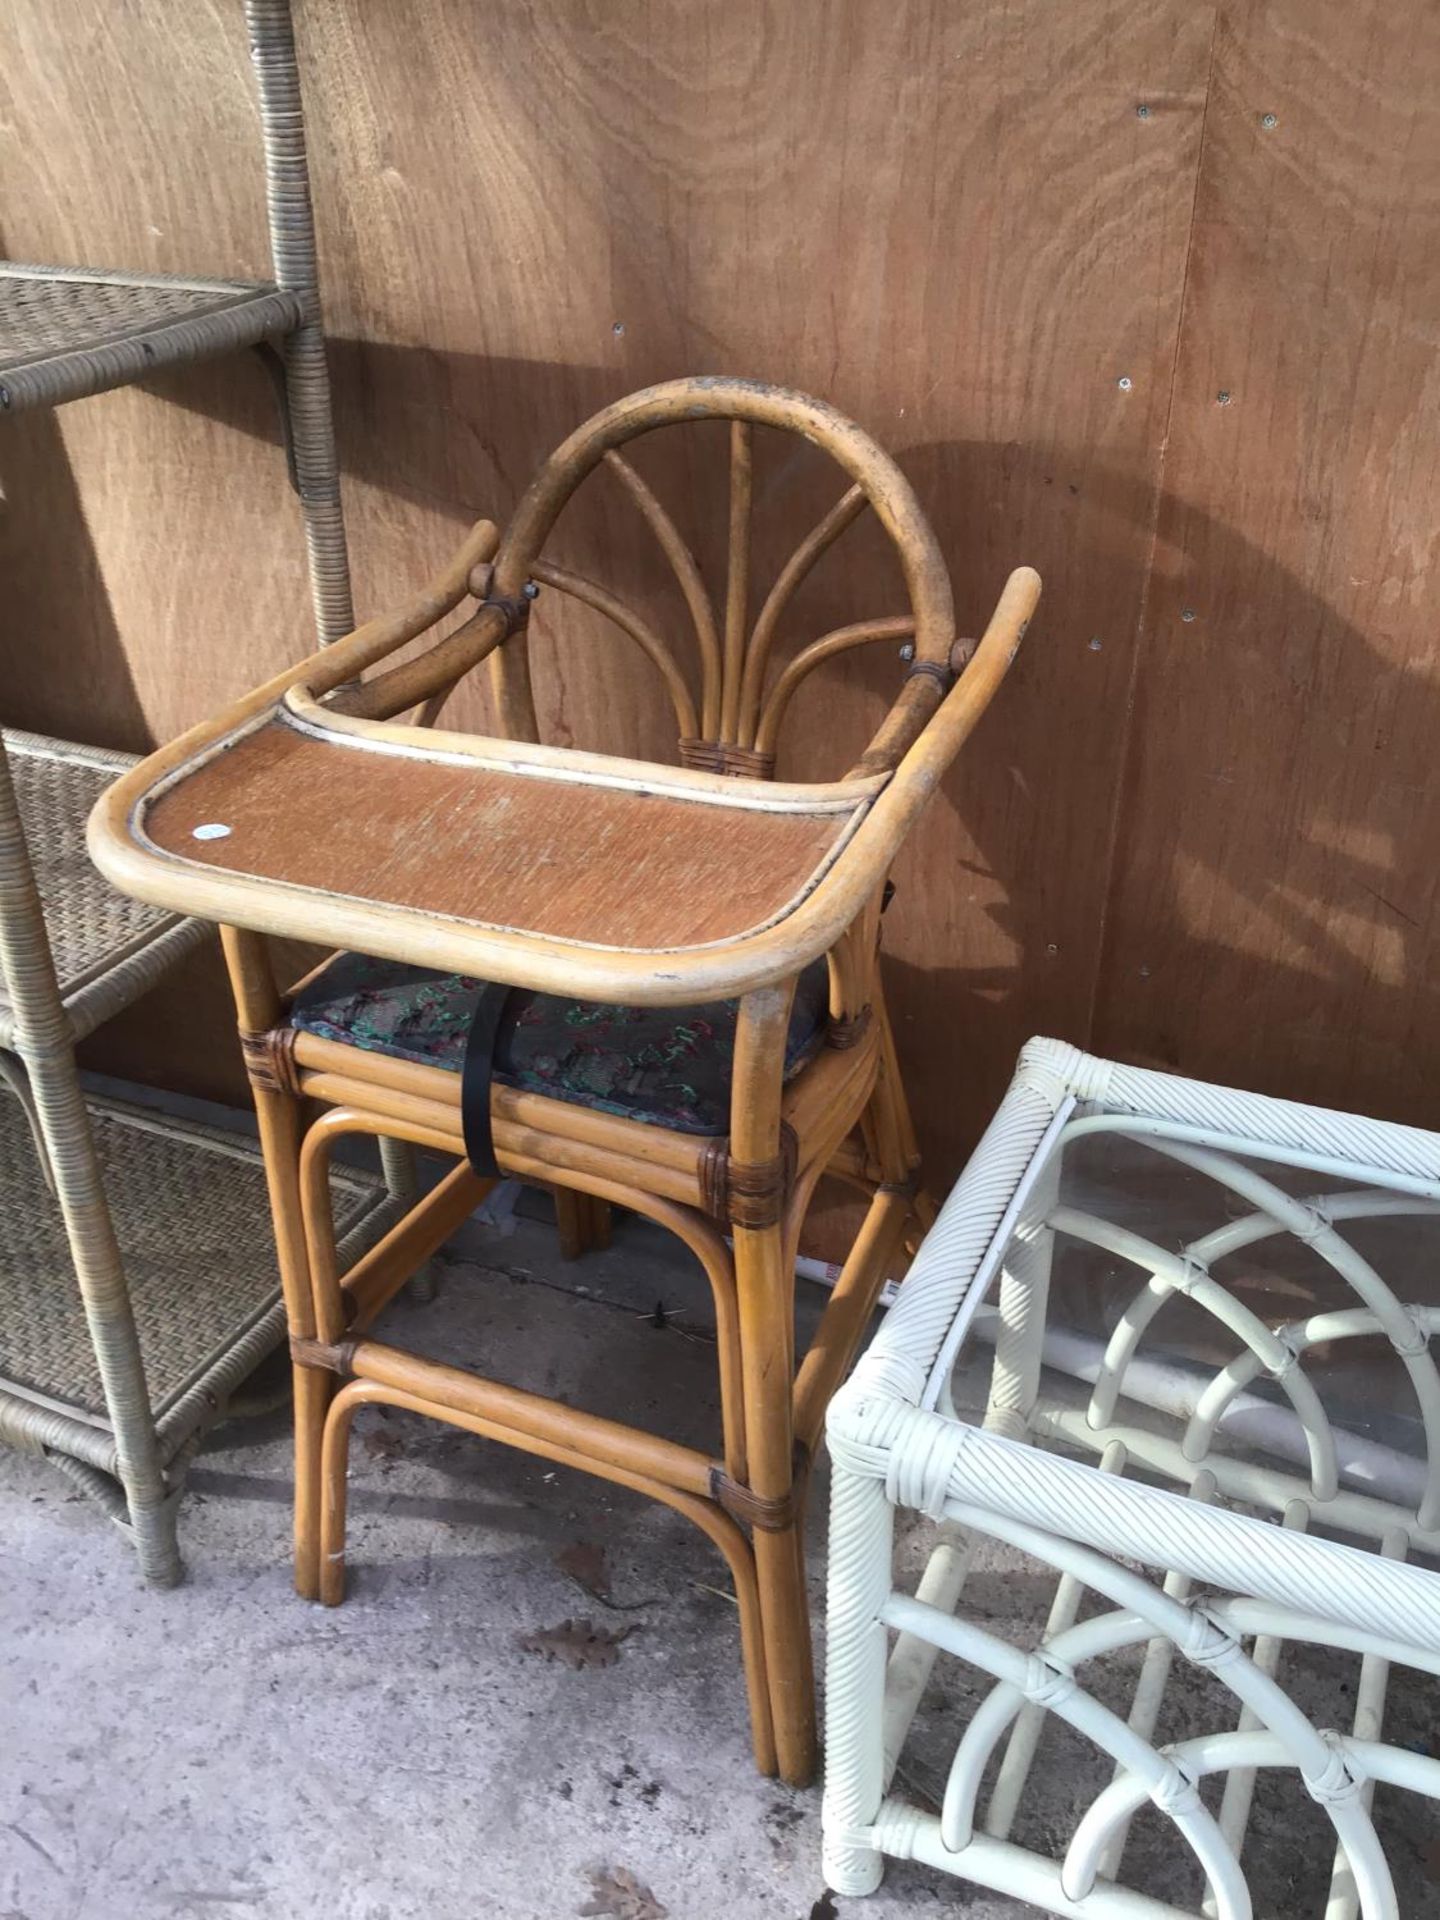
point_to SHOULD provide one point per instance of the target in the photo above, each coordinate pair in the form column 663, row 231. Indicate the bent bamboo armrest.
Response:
column 387, row 633
column 567, row 872
column 344, row 659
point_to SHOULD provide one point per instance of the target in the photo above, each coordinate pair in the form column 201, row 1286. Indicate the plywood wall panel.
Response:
column 951, row 221
column 148, row 545
column 1274, row 901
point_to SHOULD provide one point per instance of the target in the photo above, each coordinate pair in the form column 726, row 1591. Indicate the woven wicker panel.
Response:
column 192, row 1218
column 70, row 331
column 40, row 317
column 90, row 925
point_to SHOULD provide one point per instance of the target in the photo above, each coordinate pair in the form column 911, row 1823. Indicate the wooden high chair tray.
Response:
column 477, row 854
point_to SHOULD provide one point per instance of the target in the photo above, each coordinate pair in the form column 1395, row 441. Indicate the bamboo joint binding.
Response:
column 722, row 756
column 748, row 1193
column 270, row 1059
column 775, row 1515
column 334, row 1357
column 846, row 1033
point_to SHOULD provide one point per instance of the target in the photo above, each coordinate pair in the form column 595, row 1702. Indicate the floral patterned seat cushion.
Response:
column 670, row 1066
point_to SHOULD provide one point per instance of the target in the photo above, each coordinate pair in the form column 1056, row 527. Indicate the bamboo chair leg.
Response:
column 570, row 1219
column 314, row 1390
column 280, row 1132
column 789, row 1659
column 779, row 1553
column 843, row 1324
column 334, row 1475
column 598, row 1225
column 278, row 1116
column 889, row 1112
column 891, row 1133
column 583, row 1220
column 767, row 1334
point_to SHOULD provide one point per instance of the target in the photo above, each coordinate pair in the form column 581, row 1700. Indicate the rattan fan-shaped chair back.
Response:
column 727, row 717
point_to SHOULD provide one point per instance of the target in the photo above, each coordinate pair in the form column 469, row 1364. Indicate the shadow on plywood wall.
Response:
column 62, row 662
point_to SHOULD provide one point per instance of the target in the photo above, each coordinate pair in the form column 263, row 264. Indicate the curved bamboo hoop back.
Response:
column 731, row 727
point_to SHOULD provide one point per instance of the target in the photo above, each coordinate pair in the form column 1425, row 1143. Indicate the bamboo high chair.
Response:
column 602, row 891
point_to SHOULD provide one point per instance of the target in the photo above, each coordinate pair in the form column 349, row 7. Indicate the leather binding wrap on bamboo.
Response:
column 270, row 1059
column 715, row 756
column 748, row 1195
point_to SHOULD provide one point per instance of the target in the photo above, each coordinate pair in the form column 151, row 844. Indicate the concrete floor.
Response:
column 226, row 1749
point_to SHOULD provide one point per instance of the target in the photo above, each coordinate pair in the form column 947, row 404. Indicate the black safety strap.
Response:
column 476, row 1075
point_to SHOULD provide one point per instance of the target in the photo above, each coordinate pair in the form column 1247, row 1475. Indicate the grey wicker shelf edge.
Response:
column 108, row 951
column 69, row 332
column 205, row 1319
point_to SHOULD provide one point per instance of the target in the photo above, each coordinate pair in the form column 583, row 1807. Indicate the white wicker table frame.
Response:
column 1233, row 1587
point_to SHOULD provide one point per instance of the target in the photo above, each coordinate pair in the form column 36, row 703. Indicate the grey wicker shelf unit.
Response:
column 115, row 1376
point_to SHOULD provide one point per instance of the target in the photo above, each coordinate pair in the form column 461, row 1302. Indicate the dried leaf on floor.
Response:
column 621, row 1896
column 585, row 1564
column 383, row 1444
column 578, row 1643
column 824, row 1908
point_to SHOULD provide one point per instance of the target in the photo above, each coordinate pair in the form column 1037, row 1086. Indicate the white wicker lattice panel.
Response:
column 1207, row 1683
